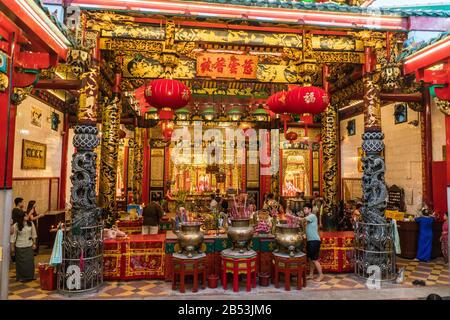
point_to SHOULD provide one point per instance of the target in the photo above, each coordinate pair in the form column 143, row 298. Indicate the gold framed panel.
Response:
column 157, row 168
column 34, row 155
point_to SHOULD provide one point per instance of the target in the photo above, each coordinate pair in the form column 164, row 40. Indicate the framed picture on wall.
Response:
column 34, row 155
column 400, row 113
column 36, row 117
column 55, row 121
column 351, row 127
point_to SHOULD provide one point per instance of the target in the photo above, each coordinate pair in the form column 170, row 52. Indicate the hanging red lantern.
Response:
column 309, row 99
column 277, row 102
column 167, row 93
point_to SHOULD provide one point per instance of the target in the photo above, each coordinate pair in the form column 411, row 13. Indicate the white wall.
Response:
column 437, row 131
column 44, row 134
column 402, row 154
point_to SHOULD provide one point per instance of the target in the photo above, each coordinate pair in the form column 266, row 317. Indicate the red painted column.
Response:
column 126, row 156
column 447, row 156
column 427, row 150
column 65, row 149
column 146, row 169
column 244, row 173
column 7, row 132
column 265, row 180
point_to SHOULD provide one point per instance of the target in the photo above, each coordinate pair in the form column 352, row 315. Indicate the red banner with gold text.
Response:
column 223, row 65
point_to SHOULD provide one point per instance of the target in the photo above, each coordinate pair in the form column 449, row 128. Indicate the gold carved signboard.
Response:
column 217, row 65
column 157, row 165
column 34, row 155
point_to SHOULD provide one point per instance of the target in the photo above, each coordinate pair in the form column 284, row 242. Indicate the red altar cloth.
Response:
column 138, row 257
column 337, row 251
column 130, row 226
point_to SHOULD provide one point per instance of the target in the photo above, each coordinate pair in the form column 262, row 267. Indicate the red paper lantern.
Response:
column 277, row 102
column 167, row 93
column 310, row 99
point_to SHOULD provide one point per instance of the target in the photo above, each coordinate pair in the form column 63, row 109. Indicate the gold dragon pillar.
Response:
column 109, row 152
column 138, row 157
column 330, row 149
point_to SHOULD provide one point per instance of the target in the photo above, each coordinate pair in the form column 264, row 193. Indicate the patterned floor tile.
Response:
column 433, row 273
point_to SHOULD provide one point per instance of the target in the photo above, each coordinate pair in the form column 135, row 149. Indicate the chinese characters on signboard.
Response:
column 34, row 155
column 218, row 65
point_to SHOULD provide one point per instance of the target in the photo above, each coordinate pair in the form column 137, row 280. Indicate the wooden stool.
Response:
column 289, row 265
column 184, row 266
column 239, row 263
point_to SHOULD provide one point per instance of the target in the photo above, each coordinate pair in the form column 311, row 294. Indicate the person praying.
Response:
column 313, row 241
column 152, row 216
column 34, row 217
column 425, row 236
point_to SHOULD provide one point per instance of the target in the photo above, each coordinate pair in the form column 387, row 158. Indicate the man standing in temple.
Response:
column 18, row 209
column 152, row 215
column 312, row 241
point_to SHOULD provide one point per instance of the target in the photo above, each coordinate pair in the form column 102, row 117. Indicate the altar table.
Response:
column 138, row 257
column 336, row 251
column 135, row 226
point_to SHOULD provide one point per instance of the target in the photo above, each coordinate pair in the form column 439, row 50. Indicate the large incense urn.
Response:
column 289, row 238
column 190, row 238
column 240, row 232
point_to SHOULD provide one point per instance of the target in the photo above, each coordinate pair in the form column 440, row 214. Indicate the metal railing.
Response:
column 81, row 270
column 375, row 247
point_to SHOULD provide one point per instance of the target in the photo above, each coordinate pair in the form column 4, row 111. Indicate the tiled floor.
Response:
column 435, row 274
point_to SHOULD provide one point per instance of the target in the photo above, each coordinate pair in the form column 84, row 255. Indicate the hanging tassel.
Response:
column 82, row 261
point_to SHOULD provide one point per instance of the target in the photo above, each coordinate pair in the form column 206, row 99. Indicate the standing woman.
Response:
column 23, row 242
column 34, row 217
column 425, row 236
column 444, row 238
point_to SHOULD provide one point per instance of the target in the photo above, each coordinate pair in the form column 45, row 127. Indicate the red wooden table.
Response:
column 138, row 257
column 245, row 263
column 290, row 265
column 184, row 266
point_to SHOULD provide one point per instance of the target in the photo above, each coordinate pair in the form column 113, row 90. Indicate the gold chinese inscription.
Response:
column 216, row 65
column 34, row 155
column 372, row 103
column 338, row 57
column 130, row 45
column 140, row 32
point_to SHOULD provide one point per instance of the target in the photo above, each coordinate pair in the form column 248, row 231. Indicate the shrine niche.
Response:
column 295, row 177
